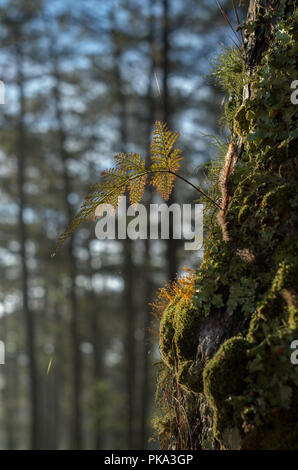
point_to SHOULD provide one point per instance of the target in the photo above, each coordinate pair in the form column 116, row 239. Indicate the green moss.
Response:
column 242, row 121
column 178, row 340
column 243, row 213
column 249, row 284
column 279, row 198
column 271, row 394
column 229, row 70
column 223, row 378
column 166, row 336
column 189, row 375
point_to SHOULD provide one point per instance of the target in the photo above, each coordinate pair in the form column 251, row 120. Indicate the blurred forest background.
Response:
column 84, row 81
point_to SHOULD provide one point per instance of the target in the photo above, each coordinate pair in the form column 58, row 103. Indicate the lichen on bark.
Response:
column 228, row 351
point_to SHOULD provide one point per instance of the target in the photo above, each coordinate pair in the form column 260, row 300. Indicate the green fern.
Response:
column 131, row 174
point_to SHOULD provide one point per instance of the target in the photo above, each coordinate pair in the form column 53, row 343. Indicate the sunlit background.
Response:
column 84, row 81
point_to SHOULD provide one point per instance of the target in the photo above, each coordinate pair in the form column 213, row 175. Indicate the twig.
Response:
column 228, row 21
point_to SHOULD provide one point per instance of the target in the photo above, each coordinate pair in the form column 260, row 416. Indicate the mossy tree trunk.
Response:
column 228, row 381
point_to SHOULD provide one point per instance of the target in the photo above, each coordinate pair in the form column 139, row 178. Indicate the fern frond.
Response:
column 162, row 144
column 183, row 289
column 130, row 173
column 165, row 159
column 164, row 183
column 136, row 189
column 129, row 161
column 174, row 159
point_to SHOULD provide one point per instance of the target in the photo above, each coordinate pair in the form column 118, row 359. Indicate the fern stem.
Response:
column 172, row 173
column 195, row 187
column 178, row 176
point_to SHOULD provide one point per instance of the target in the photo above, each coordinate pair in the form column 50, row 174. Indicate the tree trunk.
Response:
column 73, row 299
column 10, row 392
column 98, row 354
column 28, row 314
column 171, row 250
column 128, row 269
column 147, row 274
column 226, row 351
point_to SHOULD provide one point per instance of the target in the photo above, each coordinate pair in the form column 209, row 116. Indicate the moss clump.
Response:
column 179, row 328
column 224, row 379
column 167, row 335
column 189, row 375
column 269, row 412
column 229, row 71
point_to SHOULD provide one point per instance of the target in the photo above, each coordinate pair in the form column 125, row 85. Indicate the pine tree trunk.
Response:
column 171, row 250
column 147, row 274
column 73, row 300
column 28, row 314
column 236, row 382
column 128, row 268
column 98, row 354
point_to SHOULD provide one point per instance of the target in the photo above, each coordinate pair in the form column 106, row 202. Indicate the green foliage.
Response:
column 229, row 72
column 248, row 284
column 242, row 293
column 179, row 327
column 224, row 378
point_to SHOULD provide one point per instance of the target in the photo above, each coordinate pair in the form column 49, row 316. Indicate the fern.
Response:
column 183, row 289
column 131, row 174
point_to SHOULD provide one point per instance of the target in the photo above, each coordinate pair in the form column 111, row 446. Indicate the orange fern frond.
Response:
column 182, row 289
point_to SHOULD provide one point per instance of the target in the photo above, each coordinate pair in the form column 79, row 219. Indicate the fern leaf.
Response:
column 183, row 289
column 165, row 159
column 129, row 162
column 130, row 173
column 164, row 183
column 162, row 144
column 136, row 189
column 174, row 160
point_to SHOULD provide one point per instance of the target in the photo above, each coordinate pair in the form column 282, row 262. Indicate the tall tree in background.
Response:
column 166, row 114
column 77, row 419
column 92, row 92
column 117, row 38
column 145, row 390
column 15, row 22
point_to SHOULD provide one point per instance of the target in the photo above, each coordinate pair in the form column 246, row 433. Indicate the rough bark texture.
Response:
column 227, row 380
